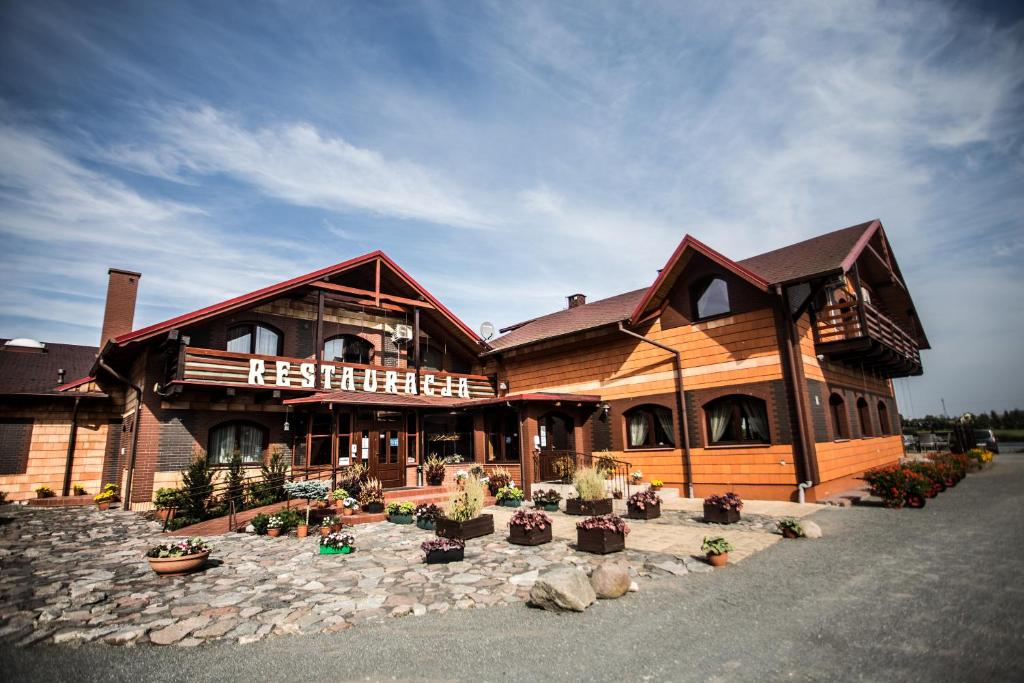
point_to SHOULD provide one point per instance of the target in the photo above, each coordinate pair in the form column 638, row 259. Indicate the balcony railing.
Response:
column 858, row 330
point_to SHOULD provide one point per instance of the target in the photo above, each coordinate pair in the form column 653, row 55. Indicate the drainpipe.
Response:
column 807, row 453
column 800, row 490
column 681, row 398
column 71, row 448
column 135, row 426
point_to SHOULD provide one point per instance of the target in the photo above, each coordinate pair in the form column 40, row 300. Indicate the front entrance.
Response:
column 556, row 432
column 377, row 439
column 384, row 442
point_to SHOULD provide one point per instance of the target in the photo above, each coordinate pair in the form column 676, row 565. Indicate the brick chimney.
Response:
column 577, row 300
column 119, row 314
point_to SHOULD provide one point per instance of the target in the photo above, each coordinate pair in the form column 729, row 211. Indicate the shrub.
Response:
column 45, row 492
column 605, row 466
column 549, row 497
column 260, row 523
column 196, row 485
column 895, row 483
column 167, row 498
column 442, row 544
column 433, row 470
column 271, row 488
column 564, row 467
column 403, row 508
column 936, row 473
column 290, row 518
column 530, row 520
column 309, row 490
column 79, row 490
column 510, row 493
column 339, row 494
column 589, row 484
column 725, row 502
column 792, row 524
column 466, row 503
column 716, row 545
column 499, row 479
column 235, row 490
column 642, row 499
column 189, row 546
column 372, row 493
column 606, row 522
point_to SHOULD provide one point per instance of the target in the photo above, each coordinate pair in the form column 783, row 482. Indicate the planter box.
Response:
column 518, row 535
column 600, row 541
column 400, row 519
column 176, row 566
column 373, row 508
column 588, row 508
column 649, row 511
column 546, row 507
column 446, row 556
column 324, row 550
column 473, row 528
column 510, row 503
column 719, row 516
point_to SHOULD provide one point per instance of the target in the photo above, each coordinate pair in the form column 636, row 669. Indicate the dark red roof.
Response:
column 831, row 252
column 586, row 317
column 37, row 372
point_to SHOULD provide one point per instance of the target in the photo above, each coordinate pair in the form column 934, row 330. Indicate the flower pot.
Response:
column 446, row 556
column 509, row 503
column 719, row 560
column 915, row 501
column 176, row 566
column 435, row 481
column 588, row 508
column 655, row 488
column 373, row 508
column 471, row 528
column 325, row 530
column 600, row 541
column 164, row 515
column 273, row 533
column 790, row 533
column 302, row 530
column 105, row 505
column 649, row 511
column 348, row 512
column 426, row 524
column 400, row 519
column 346, row 550
column 548, row 507
column 717, row 515
column 518, row 535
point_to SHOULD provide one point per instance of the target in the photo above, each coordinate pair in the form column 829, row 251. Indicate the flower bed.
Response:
column 443, row 550
column 898, row 485
column 529, row 528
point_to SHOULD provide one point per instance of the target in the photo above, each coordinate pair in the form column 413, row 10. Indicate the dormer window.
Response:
column 710, row 298
column 348, row 348
column 255, row 338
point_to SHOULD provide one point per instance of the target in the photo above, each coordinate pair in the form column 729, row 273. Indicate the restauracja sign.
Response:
column 369, row 379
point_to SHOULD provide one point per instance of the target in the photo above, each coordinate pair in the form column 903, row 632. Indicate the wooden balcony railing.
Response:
column 858, row 321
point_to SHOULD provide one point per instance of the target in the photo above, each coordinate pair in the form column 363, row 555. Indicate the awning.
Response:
column 420, row 401
column 535, row 396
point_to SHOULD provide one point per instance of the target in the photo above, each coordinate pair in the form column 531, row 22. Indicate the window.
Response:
column 883, row 419
column 649, row 427
column 864, row 417
column 246, row 437
column 710, row 298
column 448, row 436
column 431, row 358
column 348, row 348
column 15, row 442
column 254, row 338
column 736, row 419
column 840, row 426
column 502, row 435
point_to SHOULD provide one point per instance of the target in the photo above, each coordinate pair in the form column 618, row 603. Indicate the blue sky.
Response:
column 509, row 154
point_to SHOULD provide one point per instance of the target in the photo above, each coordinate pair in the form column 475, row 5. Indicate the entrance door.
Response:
column 382, row 438
column 556, row 432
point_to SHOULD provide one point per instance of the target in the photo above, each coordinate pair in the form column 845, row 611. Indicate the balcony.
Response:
column 858, row 333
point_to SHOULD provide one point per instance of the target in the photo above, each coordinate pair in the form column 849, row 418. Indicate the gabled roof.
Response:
column 37, row 372
column 833, row 252
column 276, row 290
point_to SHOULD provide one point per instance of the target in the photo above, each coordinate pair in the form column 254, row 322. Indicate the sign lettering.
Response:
column 393, row 382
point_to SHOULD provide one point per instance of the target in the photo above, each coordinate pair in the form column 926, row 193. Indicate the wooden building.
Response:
column 751, row 376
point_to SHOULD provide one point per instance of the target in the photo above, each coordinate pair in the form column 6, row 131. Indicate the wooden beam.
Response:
column 376, row 283
column 319, row 333
column 355, row 303
column 887, row 264
column 332, row 287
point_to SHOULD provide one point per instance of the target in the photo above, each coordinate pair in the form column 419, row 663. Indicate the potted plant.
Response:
column 45, row 492
column 338, row 496
column 167, row 500
column 371, row 498
column 180, row 557
column 790, row 527
column 461, row 476
column 274, row 526
column 349, row 507
column 547, row 500
column 636, row 476
column 510, row 496
column 656, row 484
column 443, row 550
column 644, row 504
column 108, row 495
column 434, row 471
column 462, row 518
column 310, row 491
column 592, row 499
column 426, row 514
column 724, row 509
column 401, row 513
column 717, row 550
column 328, row 524
column 78, row 490
column 352, row 478
column 498, row 479
column 337, row 543
column 529, row 528
column 601, row 534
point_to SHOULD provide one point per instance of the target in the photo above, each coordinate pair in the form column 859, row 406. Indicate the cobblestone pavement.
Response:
column 76, row 575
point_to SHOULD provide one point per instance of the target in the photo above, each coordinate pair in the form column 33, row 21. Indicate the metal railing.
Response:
column 560, row 466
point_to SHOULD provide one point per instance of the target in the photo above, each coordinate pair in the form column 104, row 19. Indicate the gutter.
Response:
column 684, row 428
column 69, row 459
column 808, row 454
column 135, row 425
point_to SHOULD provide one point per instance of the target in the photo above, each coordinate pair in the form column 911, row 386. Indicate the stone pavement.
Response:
column 76, row 575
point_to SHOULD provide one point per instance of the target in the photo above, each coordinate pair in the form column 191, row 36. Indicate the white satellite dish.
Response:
column 486, row 330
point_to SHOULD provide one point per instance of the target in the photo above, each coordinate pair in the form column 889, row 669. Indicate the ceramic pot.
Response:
column 302, row 530
column 273, row 533
column 176, row 566
column 718, row 560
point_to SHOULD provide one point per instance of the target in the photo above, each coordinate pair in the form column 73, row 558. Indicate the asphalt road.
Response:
column 912, row 595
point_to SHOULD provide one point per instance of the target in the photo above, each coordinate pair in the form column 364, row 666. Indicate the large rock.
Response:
column 611, row 580
column 563, row 589
column 811, row 529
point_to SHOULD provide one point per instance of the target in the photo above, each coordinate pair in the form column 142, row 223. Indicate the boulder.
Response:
column 610, row 580
column 563, row 589
column 811, row 529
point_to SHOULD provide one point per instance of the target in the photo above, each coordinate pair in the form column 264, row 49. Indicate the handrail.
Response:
column 842, row 321
column 560, row 465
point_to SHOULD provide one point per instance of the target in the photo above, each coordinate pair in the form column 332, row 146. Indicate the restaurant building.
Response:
column 755, row 376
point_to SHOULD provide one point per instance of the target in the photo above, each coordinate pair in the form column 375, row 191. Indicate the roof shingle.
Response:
column 810, row 258
column 36, row 372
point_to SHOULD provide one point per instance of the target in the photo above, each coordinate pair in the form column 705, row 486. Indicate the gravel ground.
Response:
column 886, row 595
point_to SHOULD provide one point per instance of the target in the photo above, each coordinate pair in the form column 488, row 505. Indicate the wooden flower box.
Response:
column 518, row 535
column 471, row 528
column 600, row 541
column 588, row 508
column 446, row 556
column 715, row 514
column 649, row 511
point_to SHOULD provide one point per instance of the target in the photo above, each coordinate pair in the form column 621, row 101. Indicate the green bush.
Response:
column 259, row 523
column 167, row 498
column 197, row 485
column 235, row 484
column 290, row 518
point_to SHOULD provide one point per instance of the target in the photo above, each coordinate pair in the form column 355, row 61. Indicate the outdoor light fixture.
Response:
column 605, row 408
column 287, row 427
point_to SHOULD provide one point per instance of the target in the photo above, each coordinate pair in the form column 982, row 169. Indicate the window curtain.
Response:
column 266, row 341
column 719, row 415
column 251, row 443
column 757, row 418
column 239, row 340
column 222, row 444
column 638, row 429
column 664, row 417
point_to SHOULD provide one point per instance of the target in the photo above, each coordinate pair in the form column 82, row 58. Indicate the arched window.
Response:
column 246, row 437
column 883, row 419
column 348, row 348
column 840, row 425
column 649, row 427
column 255, row 338
column 736, row 419
column 710, row 298
column 864, row 417
column 555, row 432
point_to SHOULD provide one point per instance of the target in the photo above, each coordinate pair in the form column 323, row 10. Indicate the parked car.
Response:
column 986, row 438
column 911, row 443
